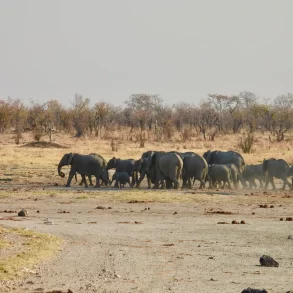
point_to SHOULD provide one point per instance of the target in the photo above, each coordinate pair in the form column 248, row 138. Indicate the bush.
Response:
column 247, row 143
column 114, row 145
column 37, row 135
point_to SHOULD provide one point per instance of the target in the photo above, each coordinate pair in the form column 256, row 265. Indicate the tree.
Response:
column 81, row 114
column 144, row 109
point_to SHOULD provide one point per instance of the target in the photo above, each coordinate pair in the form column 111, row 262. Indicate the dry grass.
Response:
column 39, row 165
column 21, row 248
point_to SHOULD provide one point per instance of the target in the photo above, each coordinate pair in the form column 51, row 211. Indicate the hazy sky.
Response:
column 179, row 49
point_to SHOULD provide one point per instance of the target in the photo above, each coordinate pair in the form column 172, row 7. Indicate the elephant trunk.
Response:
column 61, row 174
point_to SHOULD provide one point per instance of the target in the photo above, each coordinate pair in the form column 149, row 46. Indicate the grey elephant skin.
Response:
column 141, row 166
column 277, row 168
column 166, row 166
column 194, row 167
column 185, row 155
column 234, row 174
column 122, row 166
column 252, row 173
column 85, row 165
column 121, row 179
column 219, row 173
column 229, row 157
column 104, row 176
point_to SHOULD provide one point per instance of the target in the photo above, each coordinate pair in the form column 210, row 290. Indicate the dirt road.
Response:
column 159, row 246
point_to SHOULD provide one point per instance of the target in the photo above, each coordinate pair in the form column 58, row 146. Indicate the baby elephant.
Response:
column 218, row 174
column 121, row 178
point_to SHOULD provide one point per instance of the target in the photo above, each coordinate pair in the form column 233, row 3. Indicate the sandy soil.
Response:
column 160, row 246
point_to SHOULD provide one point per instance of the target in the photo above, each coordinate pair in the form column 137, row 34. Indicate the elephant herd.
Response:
column 167, row 169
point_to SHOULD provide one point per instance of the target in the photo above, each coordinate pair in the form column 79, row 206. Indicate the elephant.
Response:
column 85, row 165
column 229, row 157
column 185, row 155
column 253, row 172
column 277, row 168
column 142, row 166
column 104, row 176
column 234, row 174
column 194, row 167
column 166, row 166
column 122, row 166
column 218, row 173
column 121, row 178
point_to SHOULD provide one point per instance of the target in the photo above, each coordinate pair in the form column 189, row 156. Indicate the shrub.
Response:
column 247, row 143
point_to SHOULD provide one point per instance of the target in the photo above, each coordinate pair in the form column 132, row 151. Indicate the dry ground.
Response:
column 138, row 240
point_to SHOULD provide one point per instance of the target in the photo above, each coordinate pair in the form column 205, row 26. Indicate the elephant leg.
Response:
column 71, row 174
column 97, row 182
column 116, row 184
column 183, row 184
column 202, row 184
column 260, row 183
column 289, row 184
column 223, row 186
column 189, row 183
column 81, row 182
column 272, row 182
column 141, row 177
column 267, row 181
column 229, row 184
column 176, row 184
column 84, row 180
column 132, row 179
column 90, row 180
column 149, row 181
column 253, row 183
column 243, row 182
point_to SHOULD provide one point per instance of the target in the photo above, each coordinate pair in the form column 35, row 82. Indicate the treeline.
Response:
column 216, row 114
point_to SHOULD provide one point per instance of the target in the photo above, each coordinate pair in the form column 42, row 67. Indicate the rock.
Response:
column 250, row 290
column 268, row 261
column 290, row 237
column 242, row 222
column 22, row 213
column 235, row 222
column 289, row 219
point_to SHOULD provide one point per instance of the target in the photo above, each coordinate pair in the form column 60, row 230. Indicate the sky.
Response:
column 181, row 50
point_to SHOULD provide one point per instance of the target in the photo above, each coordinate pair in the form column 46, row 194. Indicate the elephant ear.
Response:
column 70, row 158
column 208, row 156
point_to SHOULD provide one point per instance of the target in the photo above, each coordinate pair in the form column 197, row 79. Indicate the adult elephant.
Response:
column 104, row 176
column 229, row 157
column 85, row 165
column 194, row 167
column 122, row 166
column 279, row 169
column 166, row 166
column 141, row 166
column 185, row 155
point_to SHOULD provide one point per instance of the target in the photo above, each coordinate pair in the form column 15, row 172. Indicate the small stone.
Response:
column 268, row 261
column 235, row 222
column 22, row 213
column 290, row 237
column 281, row 219
column 38, row 211
column 253, row 213
column 272, row 206
column 175, row 213
column 242, row 222
column 289, row 219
